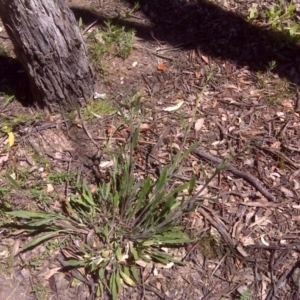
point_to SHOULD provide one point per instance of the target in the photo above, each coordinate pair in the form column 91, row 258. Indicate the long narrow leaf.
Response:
column 13, row 182
column 39, row 240
column 113, row 286
column 75, row 263
column 30, row 215
column 127, row 279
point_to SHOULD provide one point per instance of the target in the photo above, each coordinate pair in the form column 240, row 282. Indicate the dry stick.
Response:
column 251, row 179
column 218, row 226
column 85, row 129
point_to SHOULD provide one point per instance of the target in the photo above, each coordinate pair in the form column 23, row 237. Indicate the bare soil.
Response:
column 247, row 112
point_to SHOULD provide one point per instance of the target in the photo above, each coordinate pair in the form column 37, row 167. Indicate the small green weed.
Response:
column 61, row 177
column 98, row 108
column 282, row 17
column 10, row 123
column 245, row 293
column 129, row 13
column 115, row 41
column 4, row 51
column 7, row 99
column 39, row 290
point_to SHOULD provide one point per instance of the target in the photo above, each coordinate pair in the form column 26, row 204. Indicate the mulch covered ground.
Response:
column 204, row 65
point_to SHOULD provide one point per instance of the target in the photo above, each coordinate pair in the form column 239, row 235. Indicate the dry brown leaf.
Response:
column 4, row 158
column 199, row 123
column 161, row 67
column 287, row 192
column 93, row 188
column 141, row 263
column 144, row 127
column 230, row 86
column 276, row 145
column 247, row 240
column 44, row 174
column 48, row 273
column 281, row 115
column 197, row 75
column 50, row 188
column 205, row 59
column 16, row 247
column 287, row 104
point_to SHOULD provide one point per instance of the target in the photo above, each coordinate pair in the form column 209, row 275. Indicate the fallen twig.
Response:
column 228, row 167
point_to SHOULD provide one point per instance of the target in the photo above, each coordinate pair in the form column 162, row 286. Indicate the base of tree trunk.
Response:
column 51, row 49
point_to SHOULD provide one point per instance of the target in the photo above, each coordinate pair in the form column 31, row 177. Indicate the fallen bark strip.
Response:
column 228, row 167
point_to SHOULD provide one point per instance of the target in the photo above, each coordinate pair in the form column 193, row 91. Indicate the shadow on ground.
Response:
column 203, row 27
column 13, row 80
column 213, row 32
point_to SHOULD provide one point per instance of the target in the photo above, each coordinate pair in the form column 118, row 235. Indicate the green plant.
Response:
column 245, row 293
column 9, row 123
column 272, row 65
column 98, row 108
column 61, row 177
column 129, row 13
column 277, row 14
column 39, row 290
column 253, row 12
column 124, row 222
column 80, row 23
column 3, row 50
column 282, row 17
column 115, row 41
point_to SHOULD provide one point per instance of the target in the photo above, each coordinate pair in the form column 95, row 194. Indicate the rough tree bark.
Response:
column 49, row 45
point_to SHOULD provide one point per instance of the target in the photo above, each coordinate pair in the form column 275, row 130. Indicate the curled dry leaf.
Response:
column 173, row 108
column 264, row 241
column 161, row 67
column 175, row 146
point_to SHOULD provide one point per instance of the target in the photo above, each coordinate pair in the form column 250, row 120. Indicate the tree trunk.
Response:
column 50, row 47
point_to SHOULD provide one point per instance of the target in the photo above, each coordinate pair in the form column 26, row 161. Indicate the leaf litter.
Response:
column 246, row 229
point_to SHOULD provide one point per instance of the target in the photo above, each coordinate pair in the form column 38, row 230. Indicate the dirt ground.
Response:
column 248, row 110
